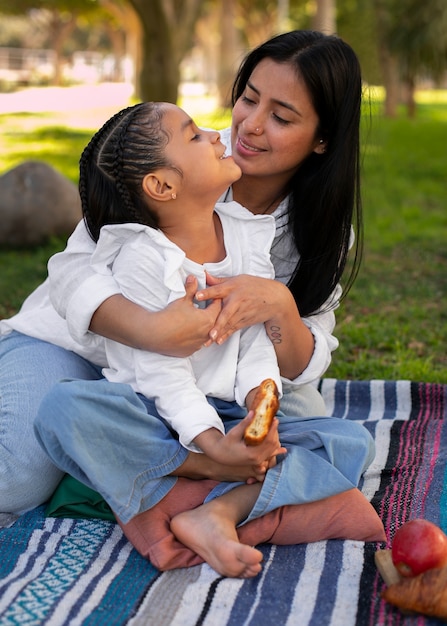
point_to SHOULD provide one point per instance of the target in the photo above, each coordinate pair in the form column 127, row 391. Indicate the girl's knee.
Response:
column 365, row 442
column 57, row 396
column 58, row 412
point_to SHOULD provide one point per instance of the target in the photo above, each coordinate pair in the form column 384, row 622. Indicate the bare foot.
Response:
column 213, row 536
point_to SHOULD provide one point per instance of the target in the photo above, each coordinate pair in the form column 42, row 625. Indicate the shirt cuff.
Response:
column 320, row 360
column 204, row 418
column 84, row 302
column 250, row 382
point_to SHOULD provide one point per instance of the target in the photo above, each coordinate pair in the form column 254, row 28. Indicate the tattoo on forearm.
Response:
column 274, row 332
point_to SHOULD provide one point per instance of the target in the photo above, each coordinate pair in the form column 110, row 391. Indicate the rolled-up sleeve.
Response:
column 322, row 325
column 76, row 290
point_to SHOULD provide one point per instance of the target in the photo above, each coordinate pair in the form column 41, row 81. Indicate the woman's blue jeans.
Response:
column 28, row 370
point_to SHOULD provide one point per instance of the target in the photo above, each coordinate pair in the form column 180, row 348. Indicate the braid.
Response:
column 86, row 169
column 118, row 163
column 112, row 167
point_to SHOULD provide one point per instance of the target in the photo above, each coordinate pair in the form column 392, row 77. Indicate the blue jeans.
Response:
column 106, row 436
column 28, row 370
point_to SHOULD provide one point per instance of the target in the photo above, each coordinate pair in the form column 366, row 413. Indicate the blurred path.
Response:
column 85, row 106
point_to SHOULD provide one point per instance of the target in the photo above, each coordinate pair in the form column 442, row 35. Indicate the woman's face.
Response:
column 274, row 126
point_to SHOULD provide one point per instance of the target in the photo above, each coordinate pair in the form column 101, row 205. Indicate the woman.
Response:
column 149, row 182
column 296, row 139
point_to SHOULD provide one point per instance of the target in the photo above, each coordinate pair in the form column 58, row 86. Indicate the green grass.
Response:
column 27, row 136
column 393, row 324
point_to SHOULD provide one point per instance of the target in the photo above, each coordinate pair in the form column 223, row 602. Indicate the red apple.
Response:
column 417, row 546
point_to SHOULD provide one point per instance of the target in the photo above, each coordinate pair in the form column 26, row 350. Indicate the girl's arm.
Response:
column 230, row 449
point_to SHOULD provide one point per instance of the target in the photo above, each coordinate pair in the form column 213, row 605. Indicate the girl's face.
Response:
column 198, row 154
column 274, row 125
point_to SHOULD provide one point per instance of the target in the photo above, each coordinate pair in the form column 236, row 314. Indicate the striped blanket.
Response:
column 62, row 571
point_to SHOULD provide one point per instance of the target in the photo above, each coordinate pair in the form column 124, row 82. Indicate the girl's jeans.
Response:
column 113, row 440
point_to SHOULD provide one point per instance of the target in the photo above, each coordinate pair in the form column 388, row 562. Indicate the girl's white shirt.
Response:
column 151, row 271
column 60, row 310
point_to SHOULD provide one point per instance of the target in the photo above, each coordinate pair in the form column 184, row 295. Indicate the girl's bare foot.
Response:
column 212, row 534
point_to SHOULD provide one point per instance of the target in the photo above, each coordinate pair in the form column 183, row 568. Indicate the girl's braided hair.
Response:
column 130, row 145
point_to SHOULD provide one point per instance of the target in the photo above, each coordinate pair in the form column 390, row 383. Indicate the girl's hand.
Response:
column 230, row 449
column 246, row 300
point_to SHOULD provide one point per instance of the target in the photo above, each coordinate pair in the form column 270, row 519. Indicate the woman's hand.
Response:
column 186, row 328
column 246, row 300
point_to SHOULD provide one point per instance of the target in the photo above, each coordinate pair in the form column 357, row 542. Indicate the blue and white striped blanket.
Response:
column 84, row 572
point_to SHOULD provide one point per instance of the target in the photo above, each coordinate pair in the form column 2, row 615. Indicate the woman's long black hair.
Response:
column 325, row 191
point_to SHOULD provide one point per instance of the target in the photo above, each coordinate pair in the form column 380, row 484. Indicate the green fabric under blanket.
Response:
column 75, row 500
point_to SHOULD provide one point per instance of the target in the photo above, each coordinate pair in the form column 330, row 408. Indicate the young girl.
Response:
column 169, row 227
column 155, row 177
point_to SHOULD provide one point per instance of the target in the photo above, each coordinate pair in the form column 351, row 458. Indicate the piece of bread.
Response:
column 425, row 593
column 265, row 406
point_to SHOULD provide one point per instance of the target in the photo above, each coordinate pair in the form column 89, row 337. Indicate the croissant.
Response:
column 265, row 406
column 425, row 593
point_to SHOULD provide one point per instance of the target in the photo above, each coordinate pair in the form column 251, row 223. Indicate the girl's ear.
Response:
column 159, row 186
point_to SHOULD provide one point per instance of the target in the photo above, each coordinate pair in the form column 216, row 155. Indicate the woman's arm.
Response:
column 303, row 346
column 179, row 330
column 90, row 301
column 293, row 341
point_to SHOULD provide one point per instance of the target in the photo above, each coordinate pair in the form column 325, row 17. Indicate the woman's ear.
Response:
column 159, row 186
column 321, row 146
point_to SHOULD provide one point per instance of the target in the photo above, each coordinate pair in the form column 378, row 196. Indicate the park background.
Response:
column 66, row 66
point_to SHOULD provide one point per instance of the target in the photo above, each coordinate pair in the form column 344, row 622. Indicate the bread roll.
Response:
column 265, row 406
column 425, row 593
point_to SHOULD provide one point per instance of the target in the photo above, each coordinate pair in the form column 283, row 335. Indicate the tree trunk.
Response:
column 389, row 63
column 117, row 40
column 160, row 72
column 131, row 23
column 325, row 19
column 60, row 31
column 168, row 30
column 410, row 91
column 229, row 47
column 390, row 71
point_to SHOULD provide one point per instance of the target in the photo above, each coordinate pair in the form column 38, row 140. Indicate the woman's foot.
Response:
column 208, row 531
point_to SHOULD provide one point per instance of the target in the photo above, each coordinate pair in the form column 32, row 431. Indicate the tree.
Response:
column 418, row 38
column 60, row 17
column 126, row 15
column 324, row 18
column 414, row 43
column 229, row 47
column 168, row 34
